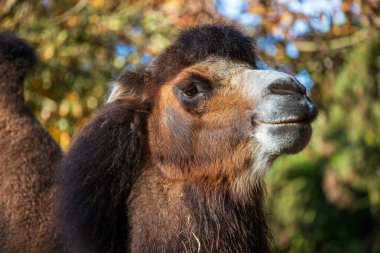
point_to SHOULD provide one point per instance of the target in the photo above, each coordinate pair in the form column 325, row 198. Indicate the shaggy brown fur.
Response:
column 172, row 163
column 129, row 185
column 27, row 156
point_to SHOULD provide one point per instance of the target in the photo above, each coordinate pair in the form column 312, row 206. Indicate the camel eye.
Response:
column 191, row 90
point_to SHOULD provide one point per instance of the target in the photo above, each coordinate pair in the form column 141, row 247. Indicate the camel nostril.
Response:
column 287, row 86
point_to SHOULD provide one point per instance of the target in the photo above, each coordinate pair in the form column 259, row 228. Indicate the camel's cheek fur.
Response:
column 217, row 141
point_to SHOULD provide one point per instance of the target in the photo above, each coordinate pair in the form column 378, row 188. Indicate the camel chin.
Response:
column 283, row 124
column 286, row 138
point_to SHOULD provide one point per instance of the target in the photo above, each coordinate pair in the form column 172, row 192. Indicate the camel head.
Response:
column 212, row 113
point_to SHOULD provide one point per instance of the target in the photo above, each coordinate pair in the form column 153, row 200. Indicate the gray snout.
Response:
column 283, row 111
column 279, row 97
column 285, row 102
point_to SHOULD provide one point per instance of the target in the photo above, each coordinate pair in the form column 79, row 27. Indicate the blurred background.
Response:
column 325, row 199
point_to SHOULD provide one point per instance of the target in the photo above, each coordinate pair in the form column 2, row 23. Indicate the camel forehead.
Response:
column 220, row 69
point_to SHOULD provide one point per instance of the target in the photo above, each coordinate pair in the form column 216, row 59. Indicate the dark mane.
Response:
column 97, row 176
column 195, row 44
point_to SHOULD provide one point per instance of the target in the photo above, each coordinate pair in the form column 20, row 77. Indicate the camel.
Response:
column 175, row 160
column 28, row 157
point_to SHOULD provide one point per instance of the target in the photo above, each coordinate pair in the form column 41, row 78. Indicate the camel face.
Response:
column 218, row 110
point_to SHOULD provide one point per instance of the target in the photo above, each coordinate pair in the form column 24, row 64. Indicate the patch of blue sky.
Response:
column 129, row 67
column 293, row 5
column 355, row 8
column 320, row 12
column 137, row 29
column 278, row 34
column 237, row 10
column 312, row 7
column 267, row 44
column 231, row 8
column 299, row 28
column 145, row 59
column 305, row 79
column 124, row 50
column 261, row 41
column 291, row 50
column 249, row 19
column 284, row 68
column 339, row 18
column 263, row 66
column 321, row 23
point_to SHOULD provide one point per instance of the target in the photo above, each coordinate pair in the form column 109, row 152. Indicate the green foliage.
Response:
column 327, row 199
column 76, row 45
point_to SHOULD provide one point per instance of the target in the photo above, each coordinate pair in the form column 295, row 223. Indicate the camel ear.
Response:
column 130, row 91
column 98, row 172
column 17, row 58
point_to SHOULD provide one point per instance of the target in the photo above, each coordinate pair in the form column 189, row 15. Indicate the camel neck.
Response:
column 11, row 97
column 225, row 222
column 196, row 218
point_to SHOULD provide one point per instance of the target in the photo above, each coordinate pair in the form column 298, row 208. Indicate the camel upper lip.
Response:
column 306, row 118
column 304, row 114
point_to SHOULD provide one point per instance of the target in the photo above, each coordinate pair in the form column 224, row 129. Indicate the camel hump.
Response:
column 17, row 59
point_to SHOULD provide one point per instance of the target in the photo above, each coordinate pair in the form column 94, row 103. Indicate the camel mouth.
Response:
column 286, row 111
column 286, row 122
column 290, row 121
column 307, row 118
